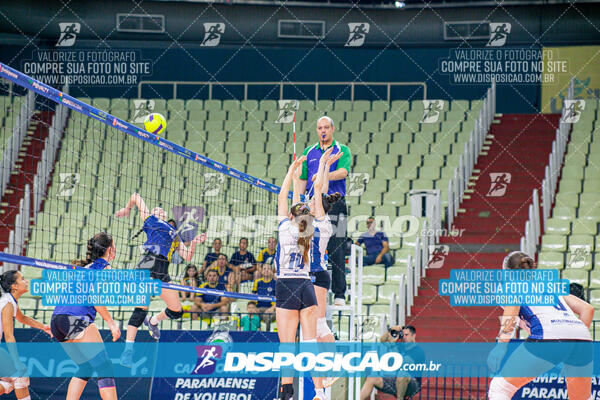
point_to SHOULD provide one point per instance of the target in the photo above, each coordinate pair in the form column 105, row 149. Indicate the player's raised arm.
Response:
column 282, row 199
column 134, row 200
column 188, row 252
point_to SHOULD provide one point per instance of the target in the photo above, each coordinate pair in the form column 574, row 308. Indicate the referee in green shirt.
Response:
column 336, row 248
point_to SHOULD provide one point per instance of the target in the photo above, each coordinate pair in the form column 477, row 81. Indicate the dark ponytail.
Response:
column 329, row 200
column 96, row 248
column 8, row 279
column 302, row 216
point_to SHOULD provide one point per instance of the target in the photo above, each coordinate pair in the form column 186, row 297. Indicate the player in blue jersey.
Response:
column 567, row 322
column 162, row 241
column 75, row 324
column 12, row 286
column 295, row 300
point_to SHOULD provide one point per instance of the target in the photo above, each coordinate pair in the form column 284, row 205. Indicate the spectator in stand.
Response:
column 245, row 261
column 212, row 256
column 225, row 274
column 265, row 286
column 251, row 322
column 377, row 245
column 403, row 386
column 190, row 278
column 267, row 255
column 208, row 303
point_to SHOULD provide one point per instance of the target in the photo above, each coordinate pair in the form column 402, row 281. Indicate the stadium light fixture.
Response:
column 399, row 4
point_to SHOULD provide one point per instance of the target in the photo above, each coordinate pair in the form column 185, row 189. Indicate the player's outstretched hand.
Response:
column 297, row 163
column 334, row 158
column 114, row 330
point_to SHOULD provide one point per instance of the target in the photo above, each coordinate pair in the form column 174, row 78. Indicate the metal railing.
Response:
column 282, row 85
column 533, row 227
column 467, row 160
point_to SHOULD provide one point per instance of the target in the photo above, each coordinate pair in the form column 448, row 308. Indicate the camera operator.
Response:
column 402, row 387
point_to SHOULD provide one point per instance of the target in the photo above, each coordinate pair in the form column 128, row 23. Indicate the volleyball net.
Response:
column 83, row 160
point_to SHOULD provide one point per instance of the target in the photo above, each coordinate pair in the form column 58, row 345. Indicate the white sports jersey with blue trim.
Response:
column 5, row 299
column 318, row 247
column 554, row 322
column 288, row 257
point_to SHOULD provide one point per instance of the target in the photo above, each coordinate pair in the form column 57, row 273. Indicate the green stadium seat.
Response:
column 398, row 148
column 212, row 105
column 119, row 104
column 342, row 105
column 413, row 116
column 234, row 126
column 554, row 243
column 569, row 186
column 380, row 105
column 581, row 241
column 551, row 260
column 324, row 106
column 249, row 105
column 591, row 186
column 213, row 125
column 306, row 105
column 176, row 105
column 369, row 294
column 558, row 226
column 361, row 105
column 101, row 103
column 194, row 104
column 231, row 105
column 564, row 212
column 567, row 199
column 389, row 160
column 460, row 105
column 581, row 259
column 386, row 293
column 393, row 274
column 197, row 116
column 216, row 115
column 400, row 105
column 576, row 276
column 423, row 184
column 430, row 173
column 585, row 227
column 236, row 115
column 419, row 148
column 374, row 275
column 353, row 126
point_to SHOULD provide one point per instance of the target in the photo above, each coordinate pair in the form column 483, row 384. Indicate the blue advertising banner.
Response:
column 205, row 386
column 551, row 388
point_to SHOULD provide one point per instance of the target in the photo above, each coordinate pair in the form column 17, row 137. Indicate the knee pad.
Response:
column 21, row 383
column 106, row 382
column 7, row 386
column 173, row 314
column 500, row 389
column 323, row 328
column 137, row 317
column 102, row 364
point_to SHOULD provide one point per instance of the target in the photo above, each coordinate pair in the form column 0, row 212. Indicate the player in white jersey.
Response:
column 295, row 300
column 12, row 286
column 567, row 323
column 323, row 230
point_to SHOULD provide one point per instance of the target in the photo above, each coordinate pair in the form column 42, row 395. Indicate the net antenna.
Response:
column 287, row 114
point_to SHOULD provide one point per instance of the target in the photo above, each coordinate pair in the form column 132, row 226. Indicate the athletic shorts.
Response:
column 321, row 279
column 158, row 266
column 389, row 387
column 68, row 327
column 576, row 353
column 294, row 294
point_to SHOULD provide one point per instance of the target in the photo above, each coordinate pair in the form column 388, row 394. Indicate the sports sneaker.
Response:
column 153, row 329
column 339, row 302
column 127, row 359
column 329, row 381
